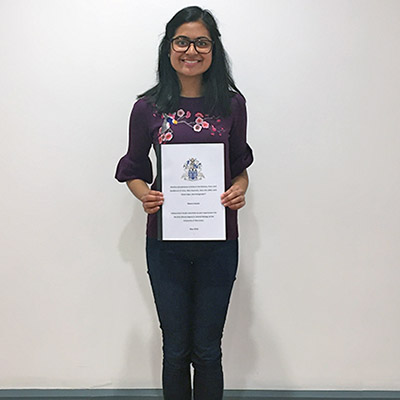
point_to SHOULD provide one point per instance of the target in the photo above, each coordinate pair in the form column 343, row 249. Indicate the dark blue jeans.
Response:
column 192, row 283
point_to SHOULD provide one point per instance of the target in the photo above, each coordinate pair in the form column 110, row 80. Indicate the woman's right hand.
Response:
column 152, row 201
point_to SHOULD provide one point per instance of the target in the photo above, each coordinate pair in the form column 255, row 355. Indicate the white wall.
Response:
column 316, row 302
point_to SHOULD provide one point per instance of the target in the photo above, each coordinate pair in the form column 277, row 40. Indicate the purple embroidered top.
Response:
column 188, row 124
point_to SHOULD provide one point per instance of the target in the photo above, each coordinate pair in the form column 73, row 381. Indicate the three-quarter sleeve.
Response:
column 240, row 153
column 136, row 164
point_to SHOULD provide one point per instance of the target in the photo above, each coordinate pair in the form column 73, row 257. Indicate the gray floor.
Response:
column 156, row 394
column 139, row 398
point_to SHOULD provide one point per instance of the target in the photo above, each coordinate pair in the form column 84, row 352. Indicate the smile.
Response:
column 191, row 61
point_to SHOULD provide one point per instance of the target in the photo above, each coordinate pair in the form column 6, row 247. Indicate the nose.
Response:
column 191, row 49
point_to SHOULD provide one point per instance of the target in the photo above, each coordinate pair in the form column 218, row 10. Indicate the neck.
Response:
column 191, row 86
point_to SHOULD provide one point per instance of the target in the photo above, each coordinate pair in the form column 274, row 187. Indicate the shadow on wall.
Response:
column 132, row 248
column 245, row 338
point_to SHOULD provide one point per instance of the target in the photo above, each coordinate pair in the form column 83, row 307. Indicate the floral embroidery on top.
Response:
column 200, row 122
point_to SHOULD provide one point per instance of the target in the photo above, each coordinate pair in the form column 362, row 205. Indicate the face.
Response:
column 191, row 63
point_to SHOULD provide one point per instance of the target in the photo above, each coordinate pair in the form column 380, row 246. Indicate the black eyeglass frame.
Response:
column 194, row 44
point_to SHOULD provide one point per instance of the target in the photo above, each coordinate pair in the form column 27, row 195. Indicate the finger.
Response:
column 237, row 206
column 235, row 201
column 228, row 192
column 152, row 210
column 155, row 193
column 152, row 197
column 232, row 198
column 152, row 204
column 233, row 190
column 233, row 195
column 148, row 205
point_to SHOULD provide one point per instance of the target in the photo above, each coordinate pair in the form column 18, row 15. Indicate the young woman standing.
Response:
column 194, row 101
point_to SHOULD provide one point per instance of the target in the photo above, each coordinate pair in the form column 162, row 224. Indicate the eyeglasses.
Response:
column 181, row 44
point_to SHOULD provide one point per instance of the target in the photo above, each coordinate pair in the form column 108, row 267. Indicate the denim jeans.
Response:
column 192, row 283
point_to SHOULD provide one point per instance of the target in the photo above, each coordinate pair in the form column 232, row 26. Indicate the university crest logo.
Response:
column 192, row 170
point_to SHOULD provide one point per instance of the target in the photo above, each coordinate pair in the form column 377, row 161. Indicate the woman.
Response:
column 194, row 101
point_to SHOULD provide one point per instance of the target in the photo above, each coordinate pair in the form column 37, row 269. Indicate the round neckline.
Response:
column 192, row 98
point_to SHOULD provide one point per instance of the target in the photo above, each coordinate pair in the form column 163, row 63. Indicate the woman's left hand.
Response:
column 234, row 197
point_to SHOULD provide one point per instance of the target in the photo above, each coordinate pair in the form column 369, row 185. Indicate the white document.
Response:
column 192, row 181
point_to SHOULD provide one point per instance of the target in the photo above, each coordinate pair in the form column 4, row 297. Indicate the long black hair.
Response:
column 218, row 84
